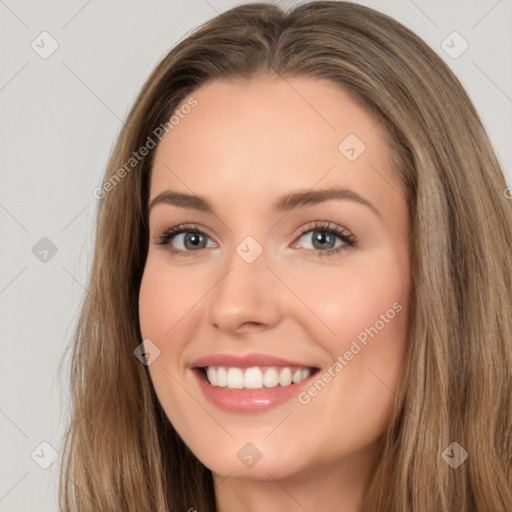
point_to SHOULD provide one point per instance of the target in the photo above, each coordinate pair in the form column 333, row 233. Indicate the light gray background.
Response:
column 60, row 117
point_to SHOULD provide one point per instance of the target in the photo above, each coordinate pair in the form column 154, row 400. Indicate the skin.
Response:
column 245, row 144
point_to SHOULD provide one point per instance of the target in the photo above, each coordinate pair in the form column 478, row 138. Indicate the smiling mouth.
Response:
column 255, row 377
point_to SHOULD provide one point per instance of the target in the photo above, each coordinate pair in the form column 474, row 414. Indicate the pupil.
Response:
column 322, row 236
column 194, row 238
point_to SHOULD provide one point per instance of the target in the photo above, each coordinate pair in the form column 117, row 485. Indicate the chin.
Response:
column 252, row 460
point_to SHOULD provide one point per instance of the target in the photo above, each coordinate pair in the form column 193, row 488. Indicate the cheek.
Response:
column 153, row 302
column 351, row 300
column 149, row 316
column 164, row 298
column 366, row 312
column 163, row 305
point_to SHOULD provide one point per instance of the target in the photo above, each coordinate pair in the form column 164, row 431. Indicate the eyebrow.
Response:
column 296, row 199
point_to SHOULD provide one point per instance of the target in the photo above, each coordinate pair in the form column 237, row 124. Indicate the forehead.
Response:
column 252, row 139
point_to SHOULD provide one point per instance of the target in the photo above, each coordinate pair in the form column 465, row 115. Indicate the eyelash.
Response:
column 344, row 234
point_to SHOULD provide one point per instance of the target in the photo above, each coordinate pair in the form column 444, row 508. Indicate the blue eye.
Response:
column 325, row 233
column 194, row 239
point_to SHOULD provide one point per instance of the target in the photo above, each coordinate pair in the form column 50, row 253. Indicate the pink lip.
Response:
column 247, row 401
column 245, row 361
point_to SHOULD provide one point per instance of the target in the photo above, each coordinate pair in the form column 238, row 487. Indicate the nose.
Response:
column 246, row 297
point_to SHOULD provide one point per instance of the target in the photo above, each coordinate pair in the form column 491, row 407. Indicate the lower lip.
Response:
column 248, row 401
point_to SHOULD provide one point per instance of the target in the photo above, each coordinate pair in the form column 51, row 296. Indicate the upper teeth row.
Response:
column 254, row 377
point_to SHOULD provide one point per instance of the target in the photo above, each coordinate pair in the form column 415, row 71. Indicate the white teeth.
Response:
column 212, row 376
column 255, row 377
column 235, row 378
column 271, row 378
column 285, row 377
column 296, row 377
column 305, row 373
column 222, row 380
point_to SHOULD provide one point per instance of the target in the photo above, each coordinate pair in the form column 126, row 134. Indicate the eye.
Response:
column 323, row 236
column 192, row 238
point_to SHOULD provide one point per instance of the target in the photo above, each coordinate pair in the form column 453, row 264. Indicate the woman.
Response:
column 221, row 361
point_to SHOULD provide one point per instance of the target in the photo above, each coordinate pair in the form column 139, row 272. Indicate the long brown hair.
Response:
column 122, row 453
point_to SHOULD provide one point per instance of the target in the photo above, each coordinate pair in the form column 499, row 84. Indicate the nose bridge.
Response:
column 247, row 291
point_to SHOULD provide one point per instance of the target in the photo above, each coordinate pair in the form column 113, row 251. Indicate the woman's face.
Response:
column 274, row 279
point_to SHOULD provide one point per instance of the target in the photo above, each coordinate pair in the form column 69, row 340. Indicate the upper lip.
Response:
column 245, row 361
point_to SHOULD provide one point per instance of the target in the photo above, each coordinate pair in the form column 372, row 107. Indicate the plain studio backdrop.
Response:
column 70, row 71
